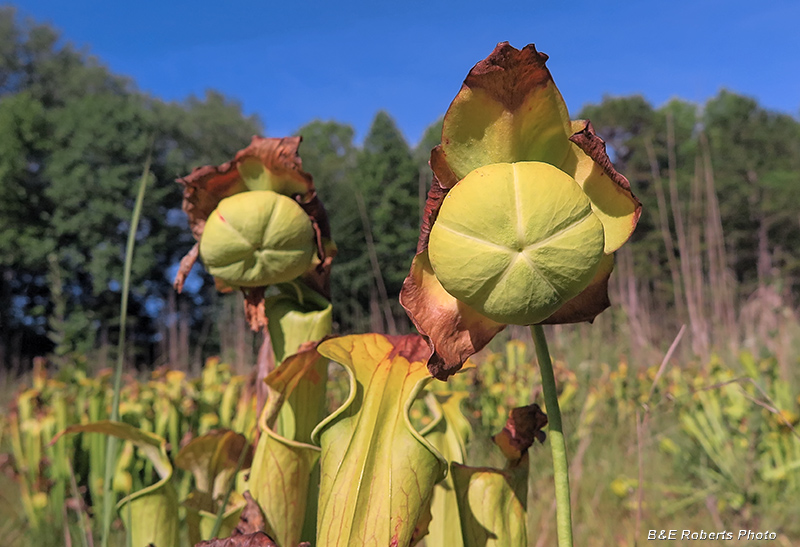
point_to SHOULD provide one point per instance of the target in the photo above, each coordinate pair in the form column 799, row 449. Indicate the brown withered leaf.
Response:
column 256, row 539
column 433, row 203
column 523, row 427
column 252, row 518
column 249, row 532
column 254, row 311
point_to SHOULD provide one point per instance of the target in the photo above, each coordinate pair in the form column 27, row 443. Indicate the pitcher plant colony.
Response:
column 521, row 223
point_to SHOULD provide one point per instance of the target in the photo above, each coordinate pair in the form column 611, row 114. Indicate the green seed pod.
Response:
column 257, row 238
column 515, row 241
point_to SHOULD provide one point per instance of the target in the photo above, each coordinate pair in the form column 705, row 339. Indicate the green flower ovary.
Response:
column 515, row 241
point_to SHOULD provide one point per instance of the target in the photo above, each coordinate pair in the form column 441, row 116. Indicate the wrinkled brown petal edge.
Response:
column 509, row 74
column 523, row 427
column 595, row 147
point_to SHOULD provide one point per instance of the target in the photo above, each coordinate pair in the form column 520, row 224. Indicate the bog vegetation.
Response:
column 711, row 278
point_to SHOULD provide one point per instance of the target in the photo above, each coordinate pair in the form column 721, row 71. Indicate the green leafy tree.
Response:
column 329, row 155
column 73, row 142
column 387, row 179
column 756, row 155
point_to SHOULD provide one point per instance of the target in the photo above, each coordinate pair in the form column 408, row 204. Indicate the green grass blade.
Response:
column 111, row 443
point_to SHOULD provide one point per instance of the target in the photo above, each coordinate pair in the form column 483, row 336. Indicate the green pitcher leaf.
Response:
column 150, row 514
column 297, row 316
column 448, row 433
column 153, row 447
column 201, row 515
column 296, row 403
column 280, row 477
column 492, row 504
column 377, row 471
column 215, row 454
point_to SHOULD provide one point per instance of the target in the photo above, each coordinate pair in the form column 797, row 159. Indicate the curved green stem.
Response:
column 558, row 445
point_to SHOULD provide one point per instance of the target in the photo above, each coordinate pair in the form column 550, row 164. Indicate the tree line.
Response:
column 719, row 184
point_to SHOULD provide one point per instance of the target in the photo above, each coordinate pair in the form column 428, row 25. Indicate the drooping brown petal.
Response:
column 454, row 331
column 510, row 75
column 523, row 427
column 441, row 170
column 185, row 267
column 607, row 189
column 590, row 302
column 319, row 278
column 436, row 195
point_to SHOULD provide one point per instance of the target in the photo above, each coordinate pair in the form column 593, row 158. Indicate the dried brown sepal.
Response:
column 523, row 427
column 436, row 195
column 185, row 267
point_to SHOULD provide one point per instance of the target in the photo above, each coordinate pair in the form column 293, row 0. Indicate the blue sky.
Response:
column 292, row 62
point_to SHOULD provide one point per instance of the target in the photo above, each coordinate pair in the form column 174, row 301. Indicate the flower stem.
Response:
column 557, row 443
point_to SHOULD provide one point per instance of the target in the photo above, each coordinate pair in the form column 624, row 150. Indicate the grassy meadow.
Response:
column 657, row 439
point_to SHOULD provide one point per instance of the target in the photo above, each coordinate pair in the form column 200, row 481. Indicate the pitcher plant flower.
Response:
column 523, row 216
column 258, row 221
